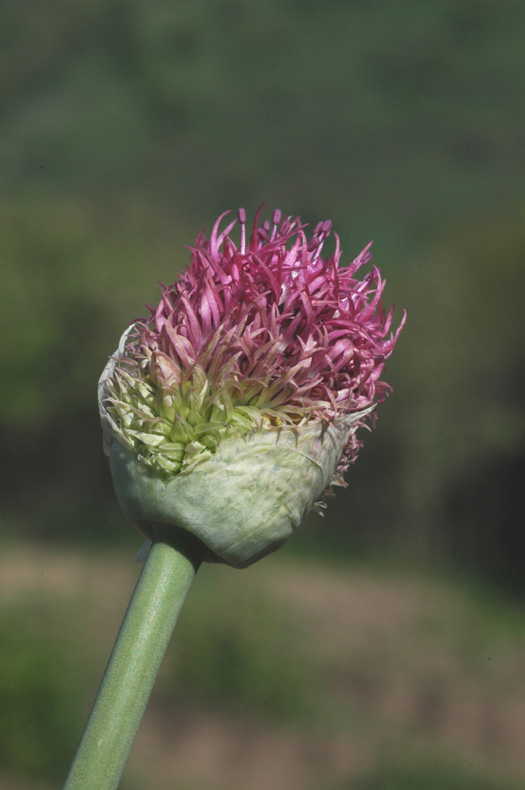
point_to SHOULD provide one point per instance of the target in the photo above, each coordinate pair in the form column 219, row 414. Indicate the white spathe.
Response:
column 242, row 502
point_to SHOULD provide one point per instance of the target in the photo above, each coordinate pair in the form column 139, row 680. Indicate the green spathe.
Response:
column 245, row 500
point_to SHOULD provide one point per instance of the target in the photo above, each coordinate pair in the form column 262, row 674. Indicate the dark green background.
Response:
column 127, row 126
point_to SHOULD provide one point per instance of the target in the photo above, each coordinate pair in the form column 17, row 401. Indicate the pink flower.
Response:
column 262, row 336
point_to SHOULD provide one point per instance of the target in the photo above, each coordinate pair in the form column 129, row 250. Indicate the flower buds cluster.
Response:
column 232, row 407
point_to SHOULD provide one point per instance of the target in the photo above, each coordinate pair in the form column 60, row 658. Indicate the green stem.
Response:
column 126, row 686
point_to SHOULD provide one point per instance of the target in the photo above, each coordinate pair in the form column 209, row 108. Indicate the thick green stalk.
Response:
column 141, row 643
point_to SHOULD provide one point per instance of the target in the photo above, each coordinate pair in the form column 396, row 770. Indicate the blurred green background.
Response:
column 126, row 127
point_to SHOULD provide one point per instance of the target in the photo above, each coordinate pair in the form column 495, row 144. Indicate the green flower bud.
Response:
column 242, row 502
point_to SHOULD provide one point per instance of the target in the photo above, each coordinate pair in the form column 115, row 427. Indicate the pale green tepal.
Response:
column 244, row 500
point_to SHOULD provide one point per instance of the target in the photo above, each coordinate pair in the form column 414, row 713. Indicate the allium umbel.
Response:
column 235, row 404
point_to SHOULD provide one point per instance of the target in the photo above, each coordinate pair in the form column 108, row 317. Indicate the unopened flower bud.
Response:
column 232, row 408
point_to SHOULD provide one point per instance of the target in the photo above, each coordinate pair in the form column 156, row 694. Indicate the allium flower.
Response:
column 233, row 406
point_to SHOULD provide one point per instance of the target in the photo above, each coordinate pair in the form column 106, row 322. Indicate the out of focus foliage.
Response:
column 126, row 126
column 395, row 680
column 241, row 655
column 40, row 667
column 392, row 118
column 430, row 775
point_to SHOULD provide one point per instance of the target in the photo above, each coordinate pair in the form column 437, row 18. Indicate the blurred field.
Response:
column 360, row 656
column 127, row 127
column 294, row 674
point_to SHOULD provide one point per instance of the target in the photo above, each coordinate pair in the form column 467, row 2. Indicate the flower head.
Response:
column 265, row 341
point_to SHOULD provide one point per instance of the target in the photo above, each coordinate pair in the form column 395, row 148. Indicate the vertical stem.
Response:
column 126, row 686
